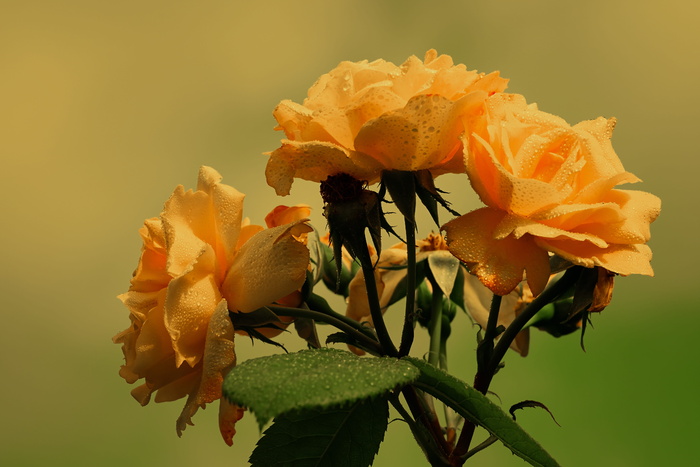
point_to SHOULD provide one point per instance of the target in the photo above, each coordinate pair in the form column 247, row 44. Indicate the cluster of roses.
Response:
column 548, row 189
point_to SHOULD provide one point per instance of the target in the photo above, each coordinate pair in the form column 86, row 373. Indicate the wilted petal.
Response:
column 498, row 263
column 229, row 414
column 271, row 265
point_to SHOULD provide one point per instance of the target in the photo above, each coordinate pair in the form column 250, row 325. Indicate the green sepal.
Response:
column 401, row 186
column 478, row 409
column 339, row 436
column 306, row 329
column 318, row 303
column 273, row 385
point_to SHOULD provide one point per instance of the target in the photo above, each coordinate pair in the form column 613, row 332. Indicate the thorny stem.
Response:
column 433, row 452
column 410, row 316
column 373, row 299
column 484, row 376
column 426, row 415
column 341, row 322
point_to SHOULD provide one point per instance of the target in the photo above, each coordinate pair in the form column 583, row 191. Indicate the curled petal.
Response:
column 287, row 214
column 189, row 303
column 229, row 414
column 316, row 161
column 497, row 262
column 219, row 358
column 271, row 265
column 621, row 259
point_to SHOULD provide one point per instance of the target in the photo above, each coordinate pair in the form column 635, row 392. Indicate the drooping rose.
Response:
column 198, row 262
column 548, row 188
column 362, row 118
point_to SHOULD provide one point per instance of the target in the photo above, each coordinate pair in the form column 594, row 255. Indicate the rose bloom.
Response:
column 199, row 260
column 548, row 188
column 365, row 117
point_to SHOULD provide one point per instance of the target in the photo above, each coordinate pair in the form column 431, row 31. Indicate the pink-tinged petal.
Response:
column 421, row 135
column 622, row 259
column 287, row 214
column 229, row 414
column 226, row 212
column 219, row 358
column 271, row 265
column 315, row 162
column 189, row 303
column 498, row 263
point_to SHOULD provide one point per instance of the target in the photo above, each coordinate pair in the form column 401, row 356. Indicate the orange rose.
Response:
column 548, row 187
column 197, row 263
column 366, row 117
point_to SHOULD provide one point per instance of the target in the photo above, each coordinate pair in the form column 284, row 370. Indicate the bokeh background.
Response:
column 106, row 106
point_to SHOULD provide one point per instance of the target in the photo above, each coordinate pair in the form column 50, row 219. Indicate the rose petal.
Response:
column 418, row 136
column 229, row 414
column 219, row 358
column 622, row 259
column 315, row 161
column 282, row 215
column 189, row 303
column 271, row 265
column 498, row 263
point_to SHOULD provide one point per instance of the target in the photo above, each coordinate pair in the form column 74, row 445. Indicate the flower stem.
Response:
column 362, row 253
column 484, row 375
column 341, row 322
column 409, row 318
column 435, row 327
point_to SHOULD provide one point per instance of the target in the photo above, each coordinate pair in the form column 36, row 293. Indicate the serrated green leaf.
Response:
column 339, row 436
column 270, row 386
column 478, row 409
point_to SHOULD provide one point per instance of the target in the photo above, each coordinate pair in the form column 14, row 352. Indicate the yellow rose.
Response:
column 548, row 187
column 198, row 262
column 366, row 117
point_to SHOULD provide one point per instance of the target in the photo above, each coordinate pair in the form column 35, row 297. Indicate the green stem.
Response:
column 435, row 326
column 341, row 322
column 431, row 449
column 410, row 315
column 549, row 295
column 484, row 376
column 373, row 300
column 486, row 346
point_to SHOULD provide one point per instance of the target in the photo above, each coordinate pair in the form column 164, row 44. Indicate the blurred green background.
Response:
column 106, row 106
